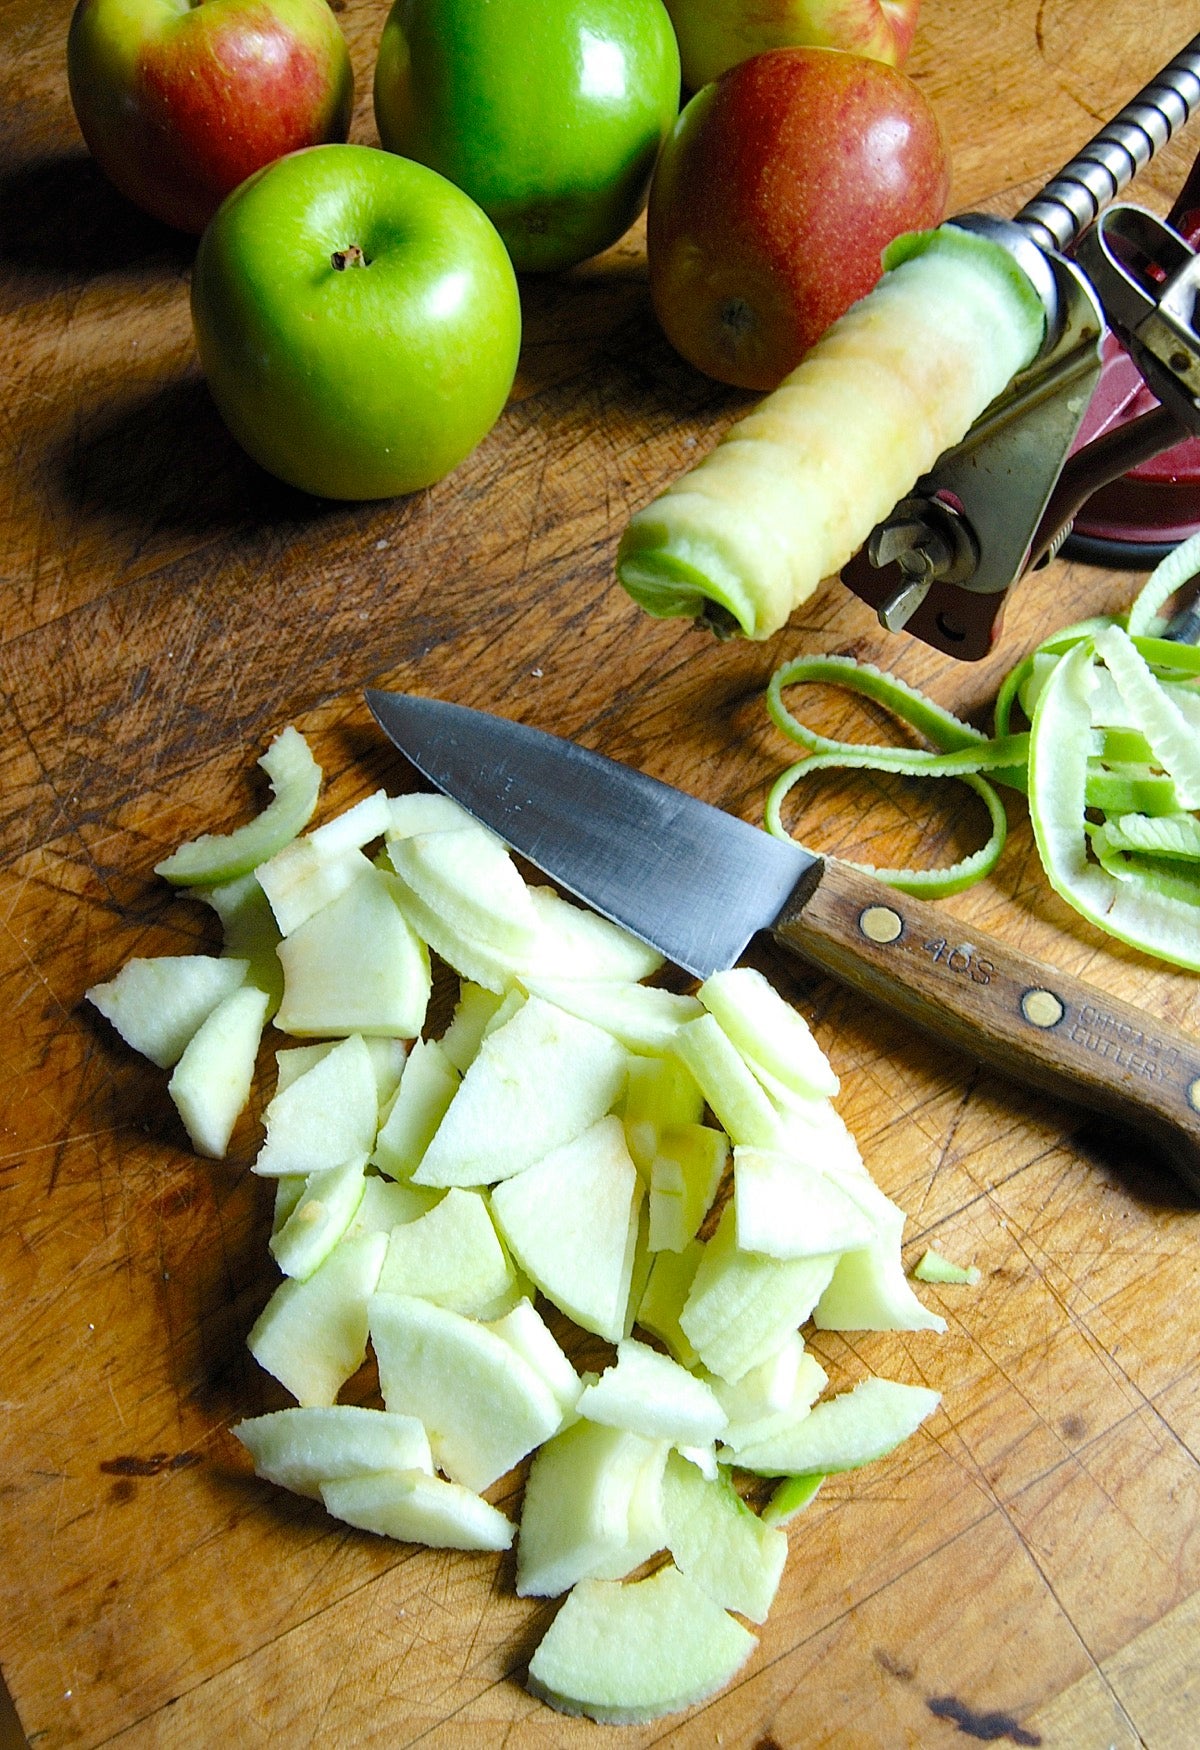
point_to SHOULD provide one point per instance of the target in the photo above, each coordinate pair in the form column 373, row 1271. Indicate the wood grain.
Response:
column 1027, row 1569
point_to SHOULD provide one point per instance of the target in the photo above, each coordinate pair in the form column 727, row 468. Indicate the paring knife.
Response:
column 698, row 884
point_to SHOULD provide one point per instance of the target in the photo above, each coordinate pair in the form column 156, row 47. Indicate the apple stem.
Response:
column 349, row 257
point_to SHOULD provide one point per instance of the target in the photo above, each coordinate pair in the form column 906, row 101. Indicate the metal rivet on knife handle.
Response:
column 1042, row 1008
column 879, row 923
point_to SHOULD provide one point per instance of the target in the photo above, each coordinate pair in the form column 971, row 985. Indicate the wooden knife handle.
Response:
column 1022, row 1017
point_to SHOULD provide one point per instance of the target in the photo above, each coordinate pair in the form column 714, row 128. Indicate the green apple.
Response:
column 550, row 113
column 358, row 321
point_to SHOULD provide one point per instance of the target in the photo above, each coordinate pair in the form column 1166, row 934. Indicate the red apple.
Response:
column 716, row 34
column 773, row 199
column 180, row 100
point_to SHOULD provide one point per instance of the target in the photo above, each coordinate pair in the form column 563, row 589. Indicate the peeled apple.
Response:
column 793, row 490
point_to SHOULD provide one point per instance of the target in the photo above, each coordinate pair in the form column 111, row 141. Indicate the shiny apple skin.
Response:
column 368, row 379
column 774, row 197
column 179, row 103
column 715, row 35
column 549, row 113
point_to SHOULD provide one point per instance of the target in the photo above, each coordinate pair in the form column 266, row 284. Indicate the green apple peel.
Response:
column 792, row 490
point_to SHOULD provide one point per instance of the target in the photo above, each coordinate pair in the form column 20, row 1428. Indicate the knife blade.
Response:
column 698, row 883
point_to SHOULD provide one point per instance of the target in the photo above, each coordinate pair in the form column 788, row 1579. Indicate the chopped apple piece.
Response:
column 387, row 1060
column 571, row 1223
column 739, row 1101
column 422, row 811
column 659, row 1094
column 579, row 943
column 664, row 1297
column 467, row 877
column 417, row 1508
column 427, row 1086
column 289, row 1189
column 325, row 1117
column 643, row 1017
column 869, row 1290
column 452, row 1255
column 719, row 1542
column 539, row 1081
column 593, row 1508
column 790, row 1210
column 354, row 827
column 214, row 858
column 249, row 931
column 742, row 1305
column 649, row 1394
column 483, row 1405
column 791, row 1496
column 748, row 1428
column 767, row 1030
column 302, row 1448
column 387, row 1203
column 685, row 1173
column 156, row 1004
column 355, row 966
column 322, row 1215
column 300, row 880
column 628, row 1654
column 211, row 1082
column 525, row 1328
column 932, row 1267
column 312, row 1335
column 840, row 1433
column 472, row 1012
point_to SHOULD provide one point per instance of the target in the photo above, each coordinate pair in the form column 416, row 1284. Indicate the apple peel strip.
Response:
column 1114, row 714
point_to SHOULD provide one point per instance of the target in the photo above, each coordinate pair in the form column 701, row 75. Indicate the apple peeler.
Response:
column 1121, row 292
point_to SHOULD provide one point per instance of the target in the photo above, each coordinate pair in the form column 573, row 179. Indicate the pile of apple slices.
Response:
column 580, row 1161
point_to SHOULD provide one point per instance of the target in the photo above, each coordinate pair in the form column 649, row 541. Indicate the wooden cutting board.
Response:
column 1026, row 1570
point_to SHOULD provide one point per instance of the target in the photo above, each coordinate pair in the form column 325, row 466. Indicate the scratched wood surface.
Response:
column 1027, row 1569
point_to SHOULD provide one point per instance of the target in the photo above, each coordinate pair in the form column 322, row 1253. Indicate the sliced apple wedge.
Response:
column 525, row 1328
column 483, row 1406
column 428, row 1084
column 788, row 1209
column 768, row 1031
column 720, row 1542
column 321, row 1216
column 467, row 877
column 628, row 1654
column 869, row 1290
column 665, row 1296
column 643, row 1017
column 649, row 1394
column 743, row 1305
column 452, row 1256
column 539, row 1081
column 739, row 1101
column 355, row 966
column 840, row 1433
column 210, row 1084
column 685, row 1172
column 302, row 1448
column 156, row 1004
column 248, row 929
column 417, row 1508
column 593, row 1508
column 301, row 880
column 571, row 1223
column 326, row 1116
column 472, row 1013
column 312, row 1335
column 213, row 858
